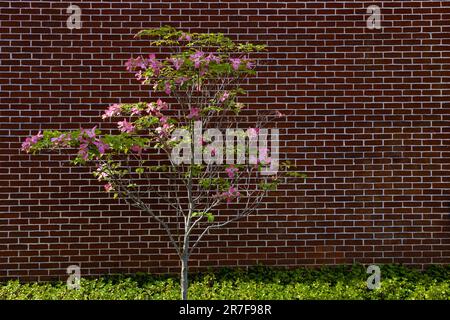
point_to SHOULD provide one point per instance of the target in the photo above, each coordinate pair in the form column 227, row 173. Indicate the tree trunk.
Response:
column 184, row 277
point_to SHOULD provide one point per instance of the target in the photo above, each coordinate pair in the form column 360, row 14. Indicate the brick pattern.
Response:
column 370, row 125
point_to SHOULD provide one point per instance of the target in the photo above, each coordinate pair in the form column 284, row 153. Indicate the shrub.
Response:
column 334, row 283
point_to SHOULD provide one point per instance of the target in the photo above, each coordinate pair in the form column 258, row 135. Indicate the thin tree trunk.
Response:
column 184, row 276
column 187, row 225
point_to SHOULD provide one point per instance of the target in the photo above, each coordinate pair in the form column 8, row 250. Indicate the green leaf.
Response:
column 140, row 170
column 210, row 217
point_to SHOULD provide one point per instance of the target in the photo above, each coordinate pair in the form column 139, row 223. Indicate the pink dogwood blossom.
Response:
column 235, row 63
column 167, row 88
column 137, row 149
column 113, row 110
column 135, row 111
column 197, row 58
column 125, row 126
column 84, row 151
column 212, row 57
column 230, row 194
column 263, row 156
column 249, row 64
column 134, row 63
column 102, row 147
column 177, row 63
column 62, row 140
column 224, row 96
column 181, row 80
column 101, row 173
column 194, row 113
column 231, row 171
column 161, row 105
column 184, row 36
column 252, row 132
column 154, row 64
column 30, row 141
column 90, row 133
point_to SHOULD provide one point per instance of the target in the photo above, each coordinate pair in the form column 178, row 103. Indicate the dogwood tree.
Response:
column 172, row 151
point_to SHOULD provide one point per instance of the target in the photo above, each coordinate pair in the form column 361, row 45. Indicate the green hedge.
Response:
column 342, row 282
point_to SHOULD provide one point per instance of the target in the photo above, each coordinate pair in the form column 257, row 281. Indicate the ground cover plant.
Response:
column 331, row 283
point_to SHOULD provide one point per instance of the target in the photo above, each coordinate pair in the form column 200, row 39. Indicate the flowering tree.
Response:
column 161, row 153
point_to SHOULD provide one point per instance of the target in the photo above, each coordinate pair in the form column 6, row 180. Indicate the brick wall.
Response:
column 370, row 125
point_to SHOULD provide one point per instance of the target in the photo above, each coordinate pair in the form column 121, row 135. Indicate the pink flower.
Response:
column 37, row 137
column 151, row 109
column 102, row 147
column 137, row 149
column 132, row 63
column 125, row 126
column 30, row 141
column 83, row 152
column 184, row 36
column 213, row 152
column 196, row 58
column 235, row 63
column 212, row 57
column 249, row 64
column 163, row 120
column 129, row 64
column 231, row 171
column 167, row 88
column 163, row 130
column 62, row 140
column 89, row 132
column 113, row 110
column 181, row 80
column 161, row 105
column 252, row 132
column 108, row 187
column 177, row 63
column 135, row 111
column 26, row 145
column 230, row 194
column 154, row 64
column 224, row 96
column 101, row 174
column 194, row 113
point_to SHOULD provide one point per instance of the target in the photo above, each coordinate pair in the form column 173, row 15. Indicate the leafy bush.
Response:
column 341, row 282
